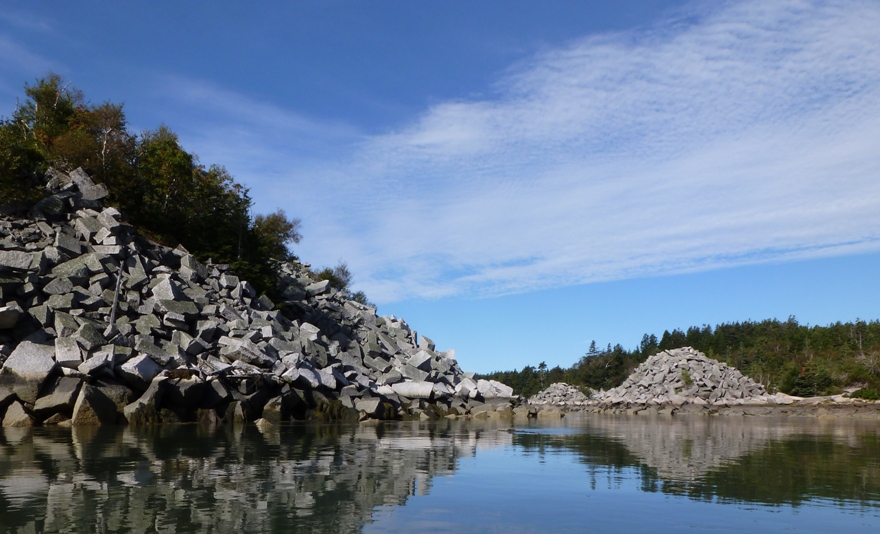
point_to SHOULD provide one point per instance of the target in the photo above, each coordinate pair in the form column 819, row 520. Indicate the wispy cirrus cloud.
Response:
column 745, row 132
column 19, row 63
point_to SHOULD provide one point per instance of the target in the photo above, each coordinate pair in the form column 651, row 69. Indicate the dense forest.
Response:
column 783, row 355
column 163, row 190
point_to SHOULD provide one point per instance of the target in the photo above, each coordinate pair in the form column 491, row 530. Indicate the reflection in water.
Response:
column 332, row 478
column 758, row 460
column 187, row 478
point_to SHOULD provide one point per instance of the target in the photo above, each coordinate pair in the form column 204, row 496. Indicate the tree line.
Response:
column 163, row 190
column 785, row 356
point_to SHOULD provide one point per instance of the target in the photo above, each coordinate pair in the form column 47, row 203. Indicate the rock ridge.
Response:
column 681, row 376
column 99, row 325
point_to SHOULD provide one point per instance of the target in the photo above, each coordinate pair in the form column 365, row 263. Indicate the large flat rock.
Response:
column 59, row 397
column 414, row 389
column 16, row 260
column 27, row 368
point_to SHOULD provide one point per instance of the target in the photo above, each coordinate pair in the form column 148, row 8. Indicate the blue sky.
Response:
column 516, row 179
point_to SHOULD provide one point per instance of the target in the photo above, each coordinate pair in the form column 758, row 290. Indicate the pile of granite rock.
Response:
column 100, row 326
column 681, row 376
column 560, row 394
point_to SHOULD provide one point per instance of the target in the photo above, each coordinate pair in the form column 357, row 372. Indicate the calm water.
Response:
column 581, row 474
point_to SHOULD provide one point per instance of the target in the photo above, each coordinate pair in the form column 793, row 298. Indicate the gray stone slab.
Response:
column 87, row 227
column 414, row 389
column 421, row 360
column 27, row 368
column 68, row 243
column 67, row 352
column 17, row 417
column 60, row 302
column 93, row 407
column 318, row 288
column 139, row 371
column 370, row 407
column 193, row 264
column 228, row 281
column 109, row 250
column 245, row 351
column 42, row 314
column 108, row 218
column 426, row 343
column 414, row 373
column 326, row 379
column 309, row 331
column 76, row 270
column 98, row 364
column 185, row 308
column 89, row 337
column 166, row 289
column 60, row 396
column 145, row 410
column 304, row 378
column 16, row 260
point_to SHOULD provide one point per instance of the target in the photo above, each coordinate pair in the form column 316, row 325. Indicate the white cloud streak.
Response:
column 745, row 134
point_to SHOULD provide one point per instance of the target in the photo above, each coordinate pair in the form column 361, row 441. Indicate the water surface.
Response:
column 590, row 473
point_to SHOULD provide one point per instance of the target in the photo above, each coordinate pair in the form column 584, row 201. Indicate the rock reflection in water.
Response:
column 291, row 478
column 337, row 478
column 759, row 460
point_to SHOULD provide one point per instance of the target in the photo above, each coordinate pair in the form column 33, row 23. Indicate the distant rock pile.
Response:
column 100, row 326
column 560, row 394
column 681, row 376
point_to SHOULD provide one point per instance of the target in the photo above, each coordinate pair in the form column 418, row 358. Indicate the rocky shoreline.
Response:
column 100, row 326
column 684, row 381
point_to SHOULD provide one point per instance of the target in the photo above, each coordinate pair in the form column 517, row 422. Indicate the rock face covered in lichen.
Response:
column 99, row 325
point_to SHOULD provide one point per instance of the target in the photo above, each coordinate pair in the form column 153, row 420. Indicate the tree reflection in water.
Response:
column 333, row 478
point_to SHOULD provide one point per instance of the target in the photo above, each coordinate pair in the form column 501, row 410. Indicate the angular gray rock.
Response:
column 67, row 352
column 15, row 260
column 145, row 410
column 27, row 368
column 414, row 389
column 139, row 371
column 17, row 416
column 60, row 396
column 93, row 407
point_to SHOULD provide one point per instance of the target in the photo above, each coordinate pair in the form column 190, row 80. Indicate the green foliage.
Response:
column 21, row 165
column 274, row 232
column 783, row 355
column 339, row 276
column 806, row 382
column 160, row 187
column 867, row 394
column 529, row 381
column 686, row 377
column 361, row 297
